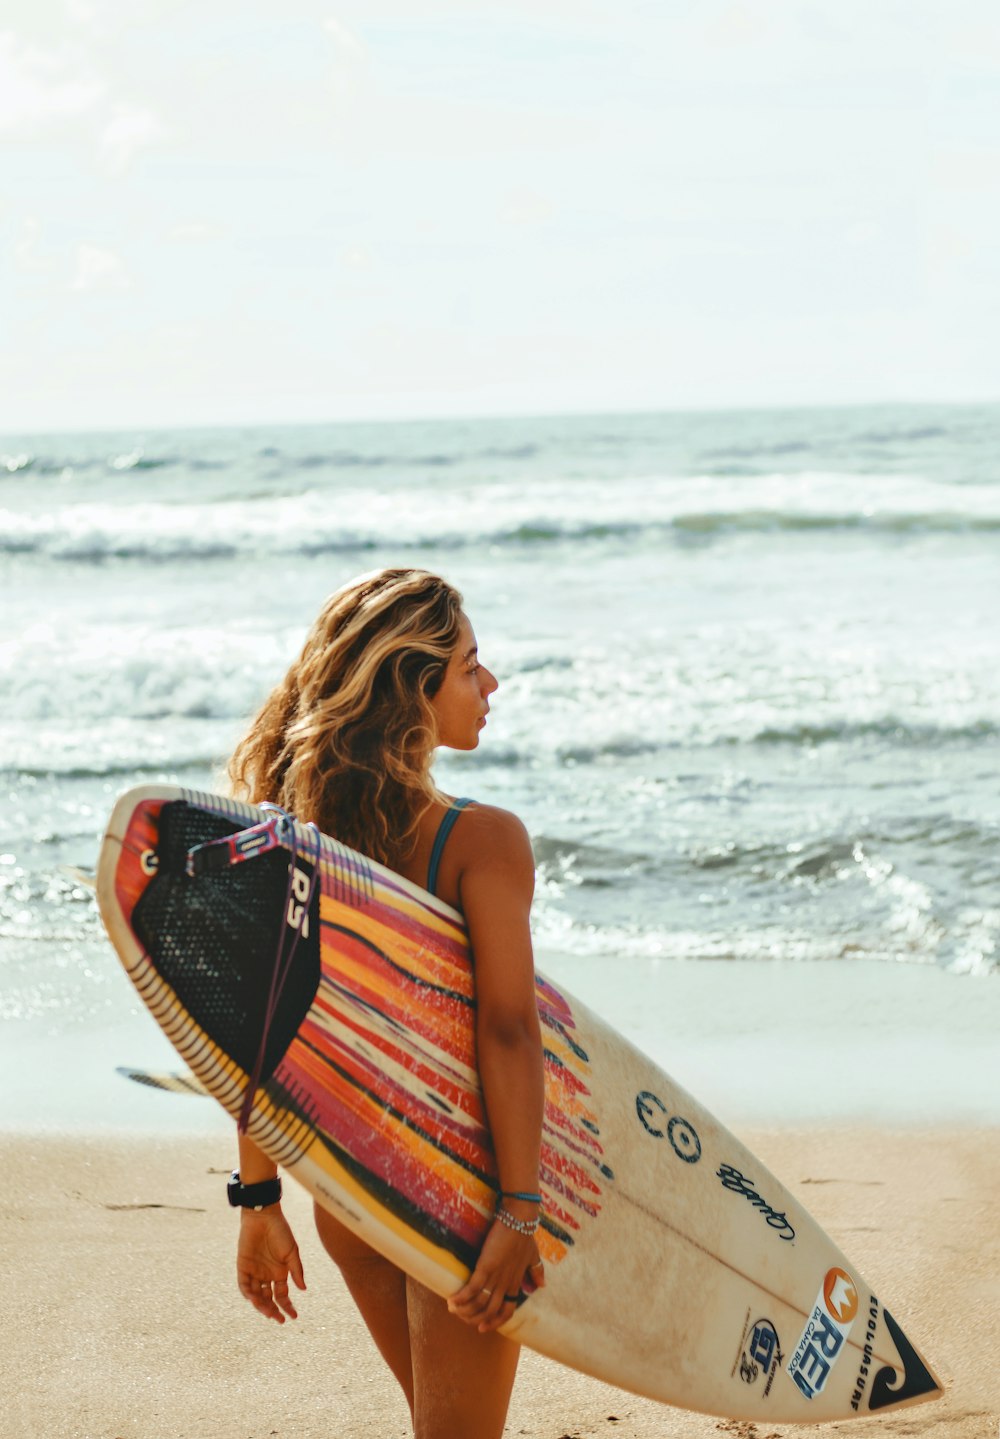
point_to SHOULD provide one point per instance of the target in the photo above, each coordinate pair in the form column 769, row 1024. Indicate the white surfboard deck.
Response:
column 689, row 1273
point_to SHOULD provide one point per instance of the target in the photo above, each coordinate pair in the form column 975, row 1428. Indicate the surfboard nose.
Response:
column 912, row 1382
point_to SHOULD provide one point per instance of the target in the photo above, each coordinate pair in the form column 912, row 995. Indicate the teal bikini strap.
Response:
column 440, row 840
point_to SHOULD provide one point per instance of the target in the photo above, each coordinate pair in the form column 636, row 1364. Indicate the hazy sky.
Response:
column 230, row 211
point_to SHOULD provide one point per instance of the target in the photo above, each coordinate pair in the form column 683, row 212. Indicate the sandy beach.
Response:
column 123, row 1320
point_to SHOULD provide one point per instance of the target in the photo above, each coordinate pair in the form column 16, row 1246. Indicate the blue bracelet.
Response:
column 520, row 1194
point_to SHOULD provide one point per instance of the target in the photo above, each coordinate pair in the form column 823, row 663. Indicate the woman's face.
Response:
column 462, row 701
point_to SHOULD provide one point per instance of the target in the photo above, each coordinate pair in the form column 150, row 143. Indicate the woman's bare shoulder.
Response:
column 491, row 834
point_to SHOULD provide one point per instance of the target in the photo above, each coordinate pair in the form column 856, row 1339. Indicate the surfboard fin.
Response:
column 174, row 1083
column 77, row 872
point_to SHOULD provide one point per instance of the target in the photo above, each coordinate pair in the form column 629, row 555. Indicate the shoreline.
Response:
column 763, row 1043
column 127, row 1324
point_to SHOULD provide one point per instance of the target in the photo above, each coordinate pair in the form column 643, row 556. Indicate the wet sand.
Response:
column 122, row 1320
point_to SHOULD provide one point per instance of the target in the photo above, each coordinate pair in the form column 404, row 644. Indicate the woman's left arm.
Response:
column 497, row 885
column 266, row 1253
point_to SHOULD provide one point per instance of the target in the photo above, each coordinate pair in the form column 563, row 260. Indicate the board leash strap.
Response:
column 217, row 854
column 284, row 835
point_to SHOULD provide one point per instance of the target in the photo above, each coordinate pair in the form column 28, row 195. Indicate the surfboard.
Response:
column 677, row 1266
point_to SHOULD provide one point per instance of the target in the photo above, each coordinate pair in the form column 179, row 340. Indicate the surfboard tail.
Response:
column 911, row 1382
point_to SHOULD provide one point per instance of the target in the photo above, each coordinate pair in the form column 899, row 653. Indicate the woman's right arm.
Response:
column 496, row 889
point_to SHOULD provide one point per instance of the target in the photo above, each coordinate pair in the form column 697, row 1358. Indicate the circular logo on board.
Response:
column 840, row 1295
column 684, row 1140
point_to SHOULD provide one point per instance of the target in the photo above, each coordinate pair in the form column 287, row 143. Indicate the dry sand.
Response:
column 122, row 1319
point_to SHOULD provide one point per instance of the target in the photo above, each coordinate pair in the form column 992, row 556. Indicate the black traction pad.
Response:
column 215, row 938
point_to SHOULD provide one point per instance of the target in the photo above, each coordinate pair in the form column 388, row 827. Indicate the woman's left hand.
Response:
column 508, row 1264
column 266, row 1257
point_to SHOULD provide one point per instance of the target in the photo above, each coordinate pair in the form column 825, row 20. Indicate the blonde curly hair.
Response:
column 346, row 738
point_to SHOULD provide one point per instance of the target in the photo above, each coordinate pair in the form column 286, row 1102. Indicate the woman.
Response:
column 389, row 671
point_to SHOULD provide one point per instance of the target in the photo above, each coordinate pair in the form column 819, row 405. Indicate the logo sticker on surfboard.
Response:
column 759, row 1355
column 825, row 1333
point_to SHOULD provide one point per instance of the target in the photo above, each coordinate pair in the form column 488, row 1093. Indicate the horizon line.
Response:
column 476, row 417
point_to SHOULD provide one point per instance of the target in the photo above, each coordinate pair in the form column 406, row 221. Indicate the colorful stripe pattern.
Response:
column 383, row 1068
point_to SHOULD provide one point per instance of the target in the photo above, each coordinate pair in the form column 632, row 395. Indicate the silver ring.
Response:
column 486, row 1291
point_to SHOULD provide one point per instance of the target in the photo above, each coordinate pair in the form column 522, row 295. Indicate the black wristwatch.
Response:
column 252, row 1196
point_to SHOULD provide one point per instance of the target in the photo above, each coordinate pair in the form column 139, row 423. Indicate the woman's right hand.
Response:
column 266, row 1255
column 508, row 1266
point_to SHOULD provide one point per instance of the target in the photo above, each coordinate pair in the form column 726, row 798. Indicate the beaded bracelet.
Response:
column 521, row 1194
column 519, row 1226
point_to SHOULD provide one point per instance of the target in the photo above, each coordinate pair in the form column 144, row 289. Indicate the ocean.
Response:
column 749, row 695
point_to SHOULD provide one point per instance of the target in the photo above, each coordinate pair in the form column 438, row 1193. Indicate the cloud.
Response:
column 357, row 257
column 25, row 248
column 81, row 12
column 862, row 234
column 737, row 25
column 193, row 232
column 99, row 269
column 525, row 208
column 39, row 90
column 344, row 39
column 127, row 132
column 60, row 92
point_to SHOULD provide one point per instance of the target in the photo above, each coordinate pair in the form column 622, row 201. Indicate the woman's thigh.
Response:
column 462, row 1379
column 378, row 1288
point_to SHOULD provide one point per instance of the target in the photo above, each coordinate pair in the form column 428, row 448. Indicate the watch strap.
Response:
column 252, row 1196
